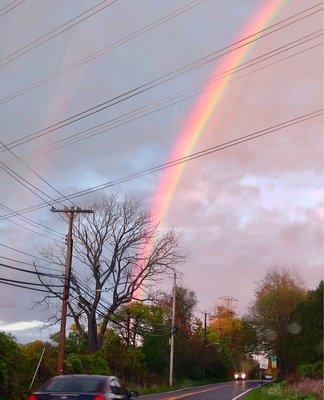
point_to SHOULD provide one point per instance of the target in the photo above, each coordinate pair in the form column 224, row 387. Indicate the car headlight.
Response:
column 243, row 375
column 236, row 376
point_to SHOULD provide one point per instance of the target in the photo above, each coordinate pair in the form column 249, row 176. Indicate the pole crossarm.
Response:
column 74, row 210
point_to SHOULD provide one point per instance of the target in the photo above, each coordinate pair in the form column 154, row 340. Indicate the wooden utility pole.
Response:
column 174, row 293
column 205, row 327
column 70, row 212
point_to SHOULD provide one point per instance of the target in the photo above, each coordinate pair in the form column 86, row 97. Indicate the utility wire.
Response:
column 10, row 7
column 106, row 305
column 34, row 172
column 142, row 88
column 181, row 70
column 27, row 283
column 33, row 223
column 33, row 231
column 164, row 102
column 17, row 261
column 24, row 182
column 32, row 256
column 181, row 160
column 26, row 270
column 55, row 32
column 27, row 287
column 99, row 53
column 27, row 185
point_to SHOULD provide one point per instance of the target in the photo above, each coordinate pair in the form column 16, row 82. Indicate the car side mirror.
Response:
column 133, row 393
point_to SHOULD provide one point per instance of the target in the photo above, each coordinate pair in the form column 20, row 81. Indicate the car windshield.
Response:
column 72, row 384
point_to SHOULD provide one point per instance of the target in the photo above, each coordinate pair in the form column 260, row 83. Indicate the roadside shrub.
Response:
column 10, row 367
column 73, row 364
column 308, row 370
column 95, row 364
column 278, row 391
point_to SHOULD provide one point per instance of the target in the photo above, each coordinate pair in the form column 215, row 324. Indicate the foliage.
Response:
column 186, row 301
column 277, row 391
column 235, row 337
column 95, row 364
column 276, row 298
column 311, row 370
column 306, row 326
column 73, row 364
column 10, row 366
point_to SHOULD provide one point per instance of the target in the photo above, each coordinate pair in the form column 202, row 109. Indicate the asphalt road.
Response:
column 218, row 391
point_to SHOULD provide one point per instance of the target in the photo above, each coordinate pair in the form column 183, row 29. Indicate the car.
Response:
column 82, row 387
column 268, row 377
column 240, row 376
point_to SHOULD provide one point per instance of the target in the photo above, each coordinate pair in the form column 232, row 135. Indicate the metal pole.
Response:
column 173, row 329
column 37, row 368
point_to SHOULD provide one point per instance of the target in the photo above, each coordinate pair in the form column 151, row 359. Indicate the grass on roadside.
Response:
column 165, row 388
column 277, row 391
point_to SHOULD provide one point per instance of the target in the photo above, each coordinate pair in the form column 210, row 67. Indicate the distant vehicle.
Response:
column 268, row 377
column 240, row 376
column 82, row 387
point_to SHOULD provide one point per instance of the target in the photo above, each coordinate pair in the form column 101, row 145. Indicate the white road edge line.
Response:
column 185, row 388
column 240, row 395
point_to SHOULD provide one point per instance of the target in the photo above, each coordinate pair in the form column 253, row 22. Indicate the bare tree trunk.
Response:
column 92, row 334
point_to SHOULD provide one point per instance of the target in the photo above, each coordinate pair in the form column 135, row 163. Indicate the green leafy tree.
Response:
column 233, row 335
column 276, row 298
column 306, row 328
column 10, row 366
column 31, row 353
column 186, row 301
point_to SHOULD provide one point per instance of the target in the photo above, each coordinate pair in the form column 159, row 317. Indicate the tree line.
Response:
column 120, row 323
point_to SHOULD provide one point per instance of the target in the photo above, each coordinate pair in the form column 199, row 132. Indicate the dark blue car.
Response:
column 82, row 387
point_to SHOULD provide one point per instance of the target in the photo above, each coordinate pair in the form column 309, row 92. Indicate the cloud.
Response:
column 21, row 326
column 240, row 211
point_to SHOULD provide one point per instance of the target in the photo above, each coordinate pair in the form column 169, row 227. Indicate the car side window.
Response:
column 115, row 387
column 123, row 390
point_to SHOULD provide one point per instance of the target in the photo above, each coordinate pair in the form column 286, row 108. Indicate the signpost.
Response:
column 264, row 363
column 273, row 362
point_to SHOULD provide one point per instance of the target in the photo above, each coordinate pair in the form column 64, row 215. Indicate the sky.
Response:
column 239, row 211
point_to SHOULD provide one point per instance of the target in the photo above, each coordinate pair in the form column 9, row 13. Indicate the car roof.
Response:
column 86, row 375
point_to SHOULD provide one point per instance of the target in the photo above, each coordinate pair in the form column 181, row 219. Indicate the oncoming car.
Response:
column 82, row 387
column 240, row 376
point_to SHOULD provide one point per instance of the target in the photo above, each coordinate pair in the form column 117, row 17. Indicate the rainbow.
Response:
column 201, row 114
column 204, row 108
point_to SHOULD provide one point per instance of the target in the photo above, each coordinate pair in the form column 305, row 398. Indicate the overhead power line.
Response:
column 28, row 185
column 27, row 283
column 26, row 270
column 119, row 324
column 56, row 32
column 179, row 96
column 10, row 7
column 32, row 256
column 33, row 223
column 99, row 53
column 34, row 172
column 145, row 87
column 190, row 157
column 184, row 69
column 33, row 231
column 26, row 287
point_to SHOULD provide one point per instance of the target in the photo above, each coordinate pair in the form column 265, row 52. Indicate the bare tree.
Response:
column 118, row 257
